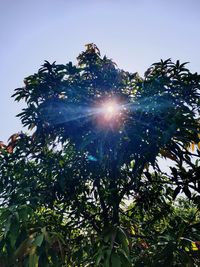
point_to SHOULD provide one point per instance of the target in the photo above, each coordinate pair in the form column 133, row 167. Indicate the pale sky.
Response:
column 134, row 34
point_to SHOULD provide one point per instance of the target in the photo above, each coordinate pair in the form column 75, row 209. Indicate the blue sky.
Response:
column 134, row 34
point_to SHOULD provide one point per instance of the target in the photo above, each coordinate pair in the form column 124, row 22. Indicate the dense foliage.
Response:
column 87, row 188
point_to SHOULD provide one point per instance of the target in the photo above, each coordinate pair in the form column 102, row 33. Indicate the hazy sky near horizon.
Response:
column 134, row 34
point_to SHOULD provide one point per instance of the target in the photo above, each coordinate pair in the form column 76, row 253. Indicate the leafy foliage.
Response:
column 84, row 190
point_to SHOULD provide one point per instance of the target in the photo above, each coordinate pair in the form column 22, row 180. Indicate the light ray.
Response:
column 58, row 112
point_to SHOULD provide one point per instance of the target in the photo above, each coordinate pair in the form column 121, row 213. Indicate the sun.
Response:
column 110, row 110
column 109, row 114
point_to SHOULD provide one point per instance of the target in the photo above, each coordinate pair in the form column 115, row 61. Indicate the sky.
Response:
column 134, row 33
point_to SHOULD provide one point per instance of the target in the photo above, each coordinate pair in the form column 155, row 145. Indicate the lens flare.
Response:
column 110, row 110
column 109, row 114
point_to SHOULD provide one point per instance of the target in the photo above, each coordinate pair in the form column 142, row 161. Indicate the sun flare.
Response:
column 110, row 109
column 110, row 114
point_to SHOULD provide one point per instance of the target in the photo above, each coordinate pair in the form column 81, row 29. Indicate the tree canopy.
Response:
column 85, row 186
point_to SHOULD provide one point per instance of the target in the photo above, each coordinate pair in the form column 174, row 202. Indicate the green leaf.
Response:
column 33, row 260
column 187, row 192
column 123, row 240
column 98, row 259
column 115, row 260
column 176, row 192
column 7, row 225
column 38, row 240
column 14, row 229
column 124, row 258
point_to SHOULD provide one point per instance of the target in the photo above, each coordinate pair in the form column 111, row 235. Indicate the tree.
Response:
column 84, row 187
